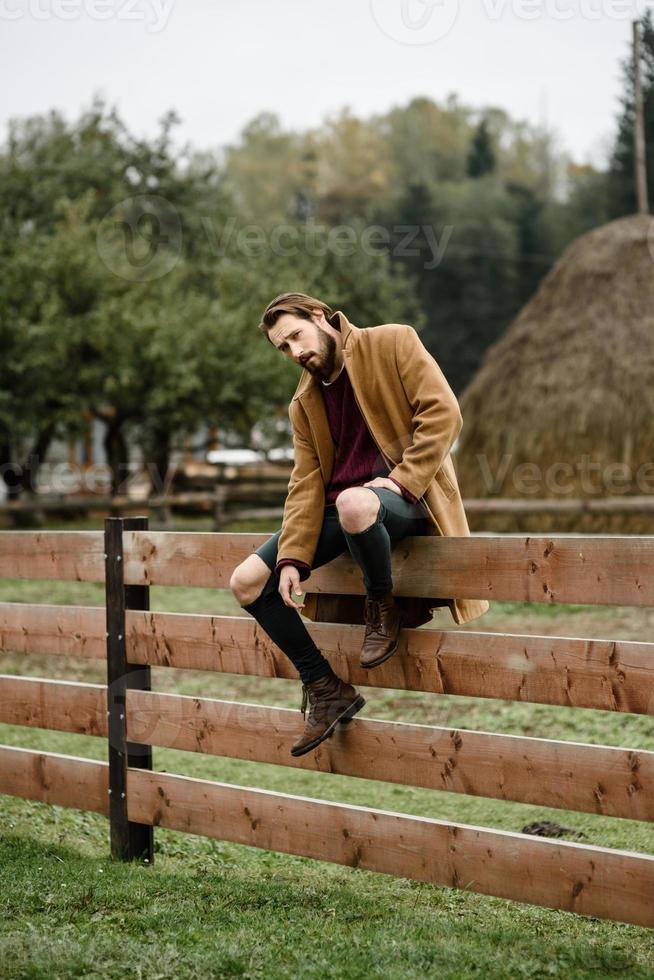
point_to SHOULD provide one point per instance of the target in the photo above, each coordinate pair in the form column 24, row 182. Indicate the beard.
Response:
column 323, row 362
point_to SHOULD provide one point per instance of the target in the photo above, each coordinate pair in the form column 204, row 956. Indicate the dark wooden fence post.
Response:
column 220, row 494
column 129, row 840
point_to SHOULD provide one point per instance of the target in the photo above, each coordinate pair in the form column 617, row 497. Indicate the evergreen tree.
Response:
column 622, row 181
column 481, row 158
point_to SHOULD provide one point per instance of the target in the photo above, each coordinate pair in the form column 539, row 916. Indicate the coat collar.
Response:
column 350, row 334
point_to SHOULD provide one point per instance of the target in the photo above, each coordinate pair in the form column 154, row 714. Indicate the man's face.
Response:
column 306, row 343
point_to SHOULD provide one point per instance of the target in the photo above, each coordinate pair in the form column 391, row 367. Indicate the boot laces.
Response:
column 373, row 616
column 309, row 697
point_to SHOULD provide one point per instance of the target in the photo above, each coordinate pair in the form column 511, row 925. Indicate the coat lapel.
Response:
column 314, row 406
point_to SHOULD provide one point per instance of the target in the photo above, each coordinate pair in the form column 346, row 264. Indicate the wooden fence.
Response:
column 578, row 673
column 263, row 499
column 227, row 499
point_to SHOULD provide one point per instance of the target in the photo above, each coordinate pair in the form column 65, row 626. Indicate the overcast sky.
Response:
column 220, row 63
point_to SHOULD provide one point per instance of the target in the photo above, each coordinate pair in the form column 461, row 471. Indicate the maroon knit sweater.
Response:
column 357, row 460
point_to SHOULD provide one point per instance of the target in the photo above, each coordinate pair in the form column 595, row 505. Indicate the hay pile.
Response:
column 572, row 379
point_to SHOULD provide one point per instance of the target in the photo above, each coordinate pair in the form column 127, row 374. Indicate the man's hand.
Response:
column 383, row 481
column 289, row 581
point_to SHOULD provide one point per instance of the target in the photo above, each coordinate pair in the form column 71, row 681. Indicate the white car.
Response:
column 235, row 457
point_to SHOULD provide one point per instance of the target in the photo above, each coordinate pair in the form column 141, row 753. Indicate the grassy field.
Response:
column 214, row 909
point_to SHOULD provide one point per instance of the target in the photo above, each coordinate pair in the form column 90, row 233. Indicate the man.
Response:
column 373, row 421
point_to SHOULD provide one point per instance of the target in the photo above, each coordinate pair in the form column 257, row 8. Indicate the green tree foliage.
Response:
column 622, row 181
column 428, row 143
column 267, row 170
column 84, row 326
column 135, row 271
column 44, row 297
column 465, row 266
column 584, row 206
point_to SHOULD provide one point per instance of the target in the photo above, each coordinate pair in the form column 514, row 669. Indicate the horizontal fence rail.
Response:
column 49, row 777
column 78, row 631
column 611, row 570
column 616, row 782
column 235, row 491
column 576, row 877
column 610, row 675
column 610, row 883
column 69, row 556
column 599, row 570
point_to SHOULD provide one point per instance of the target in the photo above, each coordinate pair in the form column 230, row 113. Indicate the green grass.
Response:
column 208, row 908
column 213, row 909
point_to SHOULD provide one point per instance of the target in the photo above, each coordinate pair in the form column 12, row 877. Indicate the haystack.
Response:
column 569, row 389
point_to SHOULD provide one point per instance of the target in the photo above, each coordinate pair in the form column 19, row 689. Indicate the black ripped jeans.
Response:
column 371, row 549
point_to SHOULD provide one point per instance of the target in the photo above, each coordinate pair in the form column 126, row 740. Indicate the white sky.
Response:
column 220, row 63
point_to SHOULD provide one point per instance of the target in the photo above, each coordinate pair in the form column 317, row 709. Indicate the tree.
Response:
column 83, row 206
column 481, row 157
column 266, row 171
column 428, row 142
column 354, row 168
column 585, row 206
column 465, row 267
column 622, row 181
column 45, row 295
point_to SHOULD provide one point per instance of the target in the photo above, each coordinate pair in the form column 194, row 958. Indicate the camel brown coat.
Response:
column 413, row 416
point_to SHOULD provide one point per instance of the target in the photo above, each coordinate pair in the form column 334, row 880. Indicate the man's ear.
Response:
column 319, row 317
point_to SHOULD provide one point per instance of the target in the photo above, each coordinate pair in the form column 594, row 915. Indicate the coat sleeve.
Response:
column 305, row 502
column 302, row 567
column 405, row 493
column 437, row 418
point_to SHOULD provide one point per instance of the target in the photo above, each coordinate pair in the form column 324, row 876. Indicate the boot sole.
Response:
column 345, row 717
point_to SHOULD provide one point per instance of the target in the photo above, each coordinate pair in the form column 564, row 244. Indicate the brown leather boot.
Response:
column 383, row 624
column 331, row 700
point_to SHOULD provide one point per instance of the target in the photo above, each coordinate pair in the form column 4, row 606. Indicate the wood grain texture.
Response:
column 64, row 706
column 615, row 782
column 611, row 884
column 603, row 569
column 77, row 631
column 71, row 556
column 583, row 569
column 572, row 671
column 49, row 777
column 611, row 781
column 613, row 675
column 579, row 878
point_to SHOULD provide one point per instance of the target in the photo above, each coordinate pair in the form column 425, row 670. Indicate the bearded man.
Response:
column 373, row 421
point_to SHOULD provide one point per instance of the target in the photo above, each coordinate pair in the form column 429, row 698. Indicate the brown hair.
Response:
column 298, row 304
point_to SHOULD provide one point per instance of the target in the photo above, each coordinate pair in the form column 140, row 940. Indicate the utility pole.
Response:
column 639, row 127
